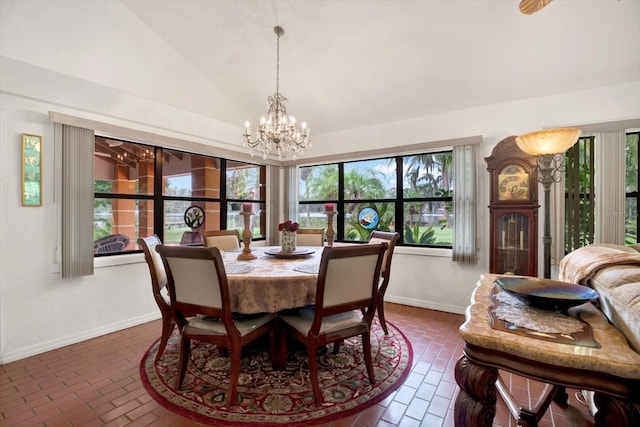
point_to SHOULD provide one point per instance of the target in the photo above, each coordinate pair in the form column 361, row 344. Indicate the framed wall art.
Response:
column 31, row 170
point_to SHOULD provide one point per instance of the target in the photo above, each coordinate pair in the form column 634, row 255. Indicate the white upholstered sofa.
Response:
column 613, row 271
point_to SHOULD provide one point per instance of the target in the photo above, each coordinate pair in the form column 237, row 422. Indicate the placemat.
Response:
column 238, row 268
column 509, row 314
column 307, row 268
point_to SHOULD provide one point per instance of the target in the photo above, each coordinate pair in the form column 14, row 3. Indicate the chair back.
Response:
column 154, row 262
column 225, row 240
column 348, row 278
column 310, row 237
column 197, row 281
column 390, row 239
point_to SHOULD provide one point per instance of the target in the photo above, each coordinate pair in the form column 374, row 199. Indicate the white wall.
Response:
column 39, row 311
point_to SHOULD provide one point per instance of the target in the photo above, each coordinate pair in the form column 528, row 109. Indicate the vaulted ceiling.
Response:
column 343, row 63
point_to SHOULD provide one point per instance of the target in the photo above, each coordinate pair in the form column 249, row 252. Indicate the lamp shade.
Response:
column 548, row 141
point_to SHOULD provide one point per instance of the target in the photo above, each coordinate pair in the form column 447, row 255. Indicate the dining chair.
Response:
column 347, row 284
column 310, row 237
column 391, row 239
column 201, row 303
column 159, row 287
column 225, row 240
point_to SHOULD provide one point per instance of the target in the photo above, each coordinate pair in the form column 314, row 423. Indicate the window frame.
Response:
column 633, row 195
column 158, row 198
column 398, row 201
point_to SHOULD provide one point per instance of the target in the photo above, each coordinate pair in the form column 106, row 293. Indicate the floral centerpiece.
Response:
column 289, row 236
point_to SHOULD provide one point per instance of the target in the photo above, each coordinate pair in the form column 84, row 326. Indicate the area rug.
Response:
column 267, row 397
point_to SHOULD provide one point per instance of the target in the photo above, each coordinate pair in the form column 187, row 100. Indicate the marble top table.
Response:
column 611, row 370
column 269, row 284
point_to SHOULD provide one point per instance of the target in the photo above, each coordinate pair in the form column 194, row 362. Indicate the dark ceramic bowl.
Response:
column 545, row 293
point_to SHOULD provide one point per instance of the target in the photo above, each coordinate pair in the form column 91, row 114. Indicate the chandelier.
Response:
column 277, row 134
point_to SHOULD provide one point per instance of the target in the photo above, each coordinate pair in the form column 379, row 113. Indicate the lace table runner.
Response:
column 510, row 314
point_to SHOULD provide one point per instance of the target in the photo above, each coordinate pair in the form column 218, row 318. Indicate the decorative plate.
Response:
column 194, row 216
column 368, row 218
column 298, row 253
column 545, row 293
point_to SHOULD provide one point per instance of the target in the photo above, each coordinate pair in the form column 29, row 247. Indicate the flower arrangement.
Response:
column 288, row 226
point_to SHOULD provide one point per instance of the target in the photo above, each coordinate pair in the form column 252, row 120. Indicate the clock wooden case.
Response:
column 513, row 209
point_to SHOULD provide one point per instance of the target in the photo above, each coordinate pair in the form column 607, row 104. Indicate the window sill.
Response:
column 112, row 261
column 433, row 252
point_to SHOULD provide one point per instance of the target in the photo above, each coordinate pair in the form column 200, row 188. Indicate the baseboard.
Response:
column 426, row 304
column 74, row 339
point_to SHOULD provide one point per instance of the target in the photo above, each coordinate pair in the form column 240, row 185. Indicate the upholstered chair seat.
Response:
column 344, row 307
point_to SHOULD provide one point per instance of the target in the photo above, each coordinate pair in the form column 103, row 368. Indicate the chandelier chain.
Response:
column 278, row 64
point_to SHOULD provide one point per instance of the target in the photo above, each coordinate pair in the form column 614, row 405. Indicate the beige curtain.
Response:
column 464, row 204
column 609, row 205
column 77, row 201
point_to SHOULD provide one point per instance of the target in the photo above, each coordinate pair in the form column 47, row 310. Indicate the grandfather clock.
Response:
column 513, row 210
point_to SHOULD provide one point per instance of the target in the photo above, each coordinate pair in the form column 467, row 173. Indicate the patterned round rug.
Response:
column 268, row 397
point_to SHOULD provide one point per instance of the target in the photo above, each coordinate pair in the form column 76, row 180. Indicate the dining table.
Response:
column 274, row 280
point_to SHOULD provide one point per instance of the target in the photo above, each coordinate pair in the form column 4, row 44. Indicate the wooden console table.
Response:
column 612, row 370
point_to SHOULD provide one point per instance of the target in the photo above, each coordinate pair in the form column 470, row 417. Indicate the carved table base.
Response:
column 480, row 384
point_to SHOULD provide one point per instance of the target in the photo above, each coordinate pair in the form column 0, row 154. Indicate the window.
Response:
column 579, row 194
column 632, row 179
column 141, row 190
column 408, row 194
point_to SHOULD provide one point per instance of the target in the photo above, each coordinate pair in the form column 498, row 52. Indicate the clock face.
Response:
column 513, row 183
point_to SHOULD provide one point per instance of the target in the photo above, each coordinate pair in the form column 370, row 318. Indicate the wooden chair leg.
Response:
column 185, row 347
column 313, row 373
column 383, row 322
column 366, row 348
column 167, row 328
column 282, row 349
column 273, row 349
column 234, row 375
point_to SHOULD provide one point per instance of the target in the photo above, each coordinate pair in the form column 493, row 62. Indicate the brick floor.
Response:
column 96, row 383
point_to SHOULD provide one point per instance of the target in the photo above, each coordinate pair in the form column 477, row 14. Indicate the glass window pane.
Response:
column 175, row 228
column 370, row 179
column 257, row 222
column 631, row 150
column 190, row 175
column 318, row 183
column 361, row 219
column 122, row 167
column 244, row 181
column 113, row 219
column 427, row 175
column 631, row 221
column 313, row 216
column 427, row 223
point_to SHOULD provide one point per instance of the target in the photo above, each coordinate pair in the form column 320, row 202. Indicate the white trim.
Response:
column 399, row 150
column 426, row 304
column 76, row 338
column 431, row 252
column 115, row 260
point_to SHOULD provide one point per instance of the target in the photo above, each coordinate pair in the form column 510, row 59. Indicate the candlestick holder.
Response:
column 246, row 254
column 330, row 231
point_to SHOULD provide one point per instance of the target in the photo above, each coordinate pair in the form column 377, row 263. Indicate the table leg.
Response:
column 616, row 412
column 476, row 402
